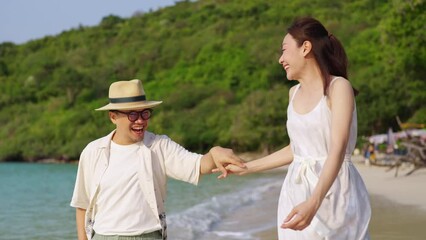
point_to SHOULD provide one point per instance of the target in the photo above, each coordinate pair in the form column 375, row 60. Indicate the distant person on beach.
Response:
column 323, row 195
column 370, row 155
column 120, row 188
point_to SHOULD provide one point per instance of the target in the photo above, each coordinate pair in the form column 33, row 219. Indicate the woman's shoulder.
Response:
column 335, row 79
column 339, row 84
column 340, row 92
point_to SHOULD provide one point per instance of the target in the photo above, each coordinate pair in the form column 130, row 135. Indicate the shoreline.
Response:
column 398, row 203
column 379, row 180
column 45, row 161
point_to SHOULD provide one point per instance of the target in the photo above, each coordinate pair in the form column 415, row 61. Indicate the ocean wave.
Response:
column 199, row 221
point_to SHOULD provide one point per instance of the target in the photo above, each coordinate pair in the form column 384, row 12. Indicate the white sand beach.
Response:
column 406, row 190
column 398, row 203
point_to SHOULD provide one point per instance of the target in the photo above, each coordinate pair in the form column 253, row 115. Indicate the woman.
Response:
column 323, row 195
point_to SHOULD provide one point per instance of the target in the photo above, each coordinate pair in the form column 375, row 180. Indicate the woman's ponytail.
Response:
column 327, row 49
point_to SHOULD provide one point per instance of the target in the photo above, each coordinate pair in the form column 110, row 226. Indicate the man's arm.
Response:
column 219, row 157
column 80, row 220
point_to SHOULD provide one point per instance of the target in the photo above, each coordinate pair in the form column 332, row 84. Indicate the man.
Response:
column 121, row 180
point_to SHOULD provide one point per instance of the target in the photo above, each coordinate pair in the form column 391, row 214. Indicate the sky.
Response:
column 24, row 20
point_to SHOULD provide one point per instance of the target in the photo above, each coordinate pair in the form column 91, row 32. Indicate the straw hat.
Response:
column 127, row 95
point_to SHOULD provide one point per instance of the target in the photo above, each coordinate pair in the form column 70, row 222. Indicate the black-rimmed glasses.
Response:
column 134, row 115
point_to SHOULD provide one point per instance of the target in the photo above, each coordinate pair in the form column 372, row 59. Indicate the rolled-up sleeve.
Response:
column 80, row 198
column 180, row 163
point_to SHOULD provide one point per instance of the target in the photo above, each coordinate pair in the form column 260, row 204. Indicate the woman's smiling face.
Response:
column 292, row 57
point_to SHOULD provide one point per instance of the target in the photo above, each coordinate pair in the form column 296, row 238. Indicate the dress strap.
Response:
column 334, row 78
column 295, row 91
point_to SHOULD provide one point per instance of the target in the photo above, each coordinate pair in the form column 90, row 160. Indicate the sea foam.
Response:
column 199, row 221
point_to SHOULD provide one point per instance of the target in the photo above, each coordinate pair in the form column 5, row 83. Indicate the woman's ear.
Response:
column 306, row 48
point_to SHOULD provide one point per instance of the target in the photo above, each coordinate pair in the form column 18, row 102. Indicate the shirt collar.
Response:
column 148, row 140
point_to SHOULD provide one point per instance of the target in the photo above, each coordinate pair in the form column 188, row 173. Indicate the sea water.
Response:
column 35, row 198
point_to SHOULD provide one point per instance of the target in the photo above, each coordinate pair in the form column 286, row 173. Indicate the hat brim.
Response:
column 129, row 106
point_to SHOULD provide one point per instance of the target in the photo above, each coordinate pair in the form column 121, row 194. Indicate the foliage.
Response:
column 214, row 64
column 419, row 116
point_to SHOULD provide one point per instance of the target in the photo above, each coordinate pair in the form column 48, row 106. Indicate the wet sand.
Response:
column 398, row 206
column 390, row 221
column 398, row 203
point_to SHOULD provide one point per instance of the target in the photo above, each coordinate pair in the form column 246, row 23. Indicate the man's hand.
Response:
column 233, row 169
column 222, row 157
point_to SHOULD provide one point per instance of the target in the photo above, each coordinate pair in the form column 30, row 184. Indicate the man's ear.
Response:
column 306, row 48
column 112, row 116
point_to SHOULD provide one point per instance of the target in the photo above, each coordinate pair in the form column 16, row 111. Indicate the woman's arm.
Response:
column 274, row 160
column 342, row 106
column 277, row 159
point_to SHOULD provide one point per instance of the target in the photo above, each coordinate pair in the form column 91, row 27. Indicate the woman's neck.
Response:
column 311, row 80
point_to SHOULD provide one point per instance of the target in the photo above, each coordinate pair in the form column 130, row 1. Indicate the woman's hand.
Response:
column 232, row 169
column 224, row 157
column 301, row 216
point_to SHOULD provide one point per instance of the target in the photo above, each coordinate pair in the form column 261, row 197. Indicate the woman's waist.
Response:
column 304, row 158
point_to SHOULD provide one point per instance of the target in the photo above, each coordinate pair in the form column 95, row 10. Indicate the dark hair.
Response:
column 327, row 49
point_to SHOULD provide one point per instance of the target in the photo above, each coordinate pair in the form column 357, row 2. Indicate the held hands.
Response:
column 301, row 216
column 233, row 169
column 223, row 159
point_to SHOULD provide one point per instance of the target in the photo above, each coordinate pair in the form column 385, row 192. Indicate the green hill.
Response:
column 214, row 64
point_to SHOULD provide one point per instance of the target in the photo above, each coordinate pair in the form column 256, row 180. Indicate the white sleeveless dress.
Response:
column 345, row 211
